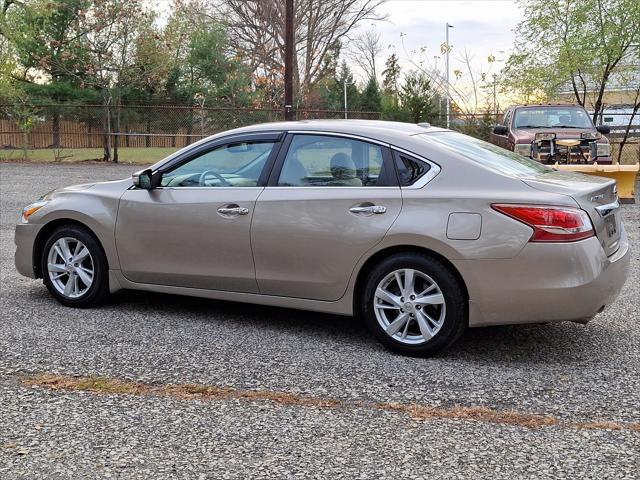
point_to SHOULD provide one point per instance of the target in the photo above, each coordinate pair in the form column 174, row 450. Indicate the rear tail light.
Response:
column 550, row 224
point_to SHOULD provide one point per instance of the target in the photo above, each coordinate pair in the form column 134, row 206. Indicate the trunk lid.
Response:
column 597, row 196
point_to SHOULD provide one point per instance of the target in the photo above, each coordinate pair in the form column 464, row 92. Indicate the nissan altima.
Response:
column 421, row 231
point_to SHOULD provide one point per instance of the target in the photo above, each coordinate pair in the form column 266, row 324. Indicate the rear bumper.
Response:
column 546, row 283
column 25, row 237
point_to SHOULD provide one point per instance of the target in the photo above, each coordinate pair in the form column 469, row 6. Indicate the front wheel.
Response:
column 74, row 267
column 414, row 304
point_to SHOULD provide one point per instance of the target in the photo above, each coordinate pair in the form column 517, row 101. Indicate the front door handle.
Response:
column 370, row 210
column 233, row 211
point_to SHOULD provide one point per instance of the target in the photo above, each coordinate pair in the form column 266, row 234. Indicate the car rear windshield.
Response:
column 492, row 156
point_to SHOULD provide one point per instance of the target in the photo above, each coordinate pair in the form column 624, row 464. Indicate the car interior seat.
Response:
column 343, row 171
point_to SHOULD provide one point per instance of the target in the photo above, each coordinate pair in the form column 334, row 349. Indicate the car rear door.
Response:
column 330, row 198
column 194, row 230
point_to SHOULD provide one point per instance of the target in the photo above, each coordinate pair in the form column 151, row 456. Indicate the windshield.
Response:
column 487, row 154
column 551, row 117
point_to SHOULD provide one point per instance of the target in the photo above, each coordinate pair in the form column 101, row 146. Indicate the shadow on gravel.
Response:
column 207, row 310
column 544, row 343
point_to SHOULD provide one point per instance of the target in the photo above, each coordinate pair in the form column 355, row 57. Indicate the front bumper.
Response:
column 25, row 237
column 546, row 283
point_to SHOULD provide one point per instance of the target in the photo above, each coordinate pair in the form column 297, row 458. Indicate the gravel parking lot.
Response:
column 579, row 376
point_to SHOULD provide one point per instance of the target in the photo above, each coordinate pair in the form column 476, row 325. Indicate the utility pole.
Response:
column 289, row 47
column 447, row 57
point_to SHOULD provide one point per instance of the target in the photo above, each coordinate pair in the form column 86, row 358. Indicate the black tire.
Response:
column 455, row 315
column 98, row 292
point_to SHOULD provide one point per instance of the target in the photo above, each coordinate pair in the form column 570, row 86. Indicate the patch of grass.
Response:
column 601, row 426
column 418, row 412
column 126, row 155
column 110, row 386
column 478, row 414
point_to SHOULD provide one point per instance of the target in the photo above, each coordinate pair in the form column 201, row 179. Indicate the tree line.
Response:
column 210, row 53
column 227, row 54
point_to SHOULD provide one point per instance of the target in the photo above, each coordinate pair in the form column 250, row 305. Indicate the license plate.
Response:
column 610, row 224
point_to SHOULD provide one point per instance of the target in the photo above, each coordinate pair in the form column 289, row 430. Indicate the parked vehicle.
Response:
column 564, row 136
column 422, row 231
column 553, row 134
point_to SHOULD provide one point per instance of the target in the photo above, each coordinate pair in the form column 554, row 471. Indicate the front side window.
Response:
column 232, row 165
column 326, row 161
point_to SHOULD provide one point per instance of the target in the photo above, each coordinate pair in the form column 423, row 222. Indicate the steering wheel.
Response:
column 204, row 174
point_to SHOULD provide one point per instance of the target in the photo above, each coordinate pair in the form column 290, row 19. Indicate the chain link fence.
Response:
column 91, row 126
column 83, row 132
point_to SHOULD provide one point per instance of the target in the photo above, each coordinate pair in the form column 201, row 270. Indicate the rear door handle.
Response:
column 370, row 210
column 233, row 211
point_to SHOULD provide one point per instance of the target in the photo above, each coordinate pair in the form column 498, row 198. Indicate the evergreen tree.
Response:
column 334, row 94
column 370, row 100
column 416, row 97
column 391, row 75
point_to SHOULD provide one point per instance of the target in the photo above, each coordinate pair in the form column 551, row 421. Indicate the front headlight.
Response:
column 603, row 150
column 31, row 209
column 523, row 149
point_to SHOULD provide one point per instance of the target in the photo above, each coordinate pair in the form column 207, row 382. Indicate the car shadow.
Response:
column 560, row 342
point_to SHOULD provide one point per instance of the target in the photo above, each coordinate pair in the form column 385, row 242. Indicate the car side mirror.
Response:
column 604, row 129
column 500, row 130
column 146, row 180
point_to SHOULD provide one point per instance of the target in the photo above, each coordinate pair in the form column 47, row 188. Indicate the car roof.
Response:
column 381, row 130
column 394, row 133
column 541, row 105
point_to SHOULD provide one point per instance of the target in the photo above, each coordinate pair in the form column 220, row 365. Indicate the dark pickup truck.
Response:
column 561, row 134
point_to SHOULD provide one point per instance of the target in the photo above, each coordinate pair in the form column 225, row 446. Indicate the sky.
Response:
column 480, row 27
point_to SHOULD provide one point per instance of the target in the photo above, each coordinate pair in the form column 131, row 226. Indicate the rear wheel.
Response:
column 74, row 267
column 414, row 304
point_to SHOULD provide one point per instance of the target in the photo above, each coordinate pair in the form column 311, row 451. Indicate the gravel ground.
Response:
column 573, row 372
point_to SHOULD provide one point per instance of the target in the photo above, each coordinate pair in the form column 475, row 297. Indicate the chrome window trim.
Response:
column 434, row 169
column 339, row 134
column 308, row 187
column 206, row 188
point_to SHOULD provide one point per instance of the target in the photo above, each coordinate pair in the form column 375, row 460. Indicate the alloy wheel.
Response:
column 70, row 267
column 409, row 306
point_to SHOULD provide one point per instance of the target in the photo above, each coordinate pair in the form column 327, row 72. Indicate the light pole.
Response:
column 345, row 83
column 447, row 67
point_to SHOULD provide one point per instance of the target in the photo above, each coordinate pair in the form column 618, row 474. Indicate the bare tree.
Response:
column 364, row 50
column 257, row 28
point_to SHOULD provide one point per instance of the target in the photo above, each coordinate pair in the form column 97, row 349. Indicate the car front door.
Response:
column 194, row 229
column 330, row 198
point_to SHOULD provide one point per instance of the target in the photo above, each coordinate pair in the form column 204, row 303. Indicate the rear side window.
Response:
column 409, row 169
column 328, row 161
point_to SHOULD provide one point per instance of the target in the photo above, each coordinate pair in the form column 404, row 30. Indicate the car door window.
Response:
column 328, row 161
column 232, row 165
column 409, row 169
